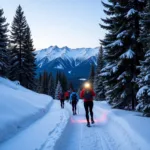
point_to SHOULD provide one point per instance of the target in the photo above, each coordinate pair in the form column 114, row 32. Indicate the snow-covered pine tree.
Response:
column 123, row 51
column 28, row 64
column 51, row 86
column 145, row 23
column 113, row 23
column 143, row 94
column 58, row 76
column 58, row 90
column 98, row 80
column 3, row 45
column 92, row 74
column 17, row 37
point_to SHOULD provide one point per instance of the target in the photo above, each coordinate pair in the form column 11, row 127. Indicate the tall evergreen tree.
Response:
column 58, row 90
column 144, row 77
column 18, row 30
column 51, row 86
column 39, row 86
column 64, row 83
column 58, row 78
column 45, row 83
column 122, row 51
column 92, row 74
column 28, row 64
column 3, row 45
column 98, row 80
column 71, row 88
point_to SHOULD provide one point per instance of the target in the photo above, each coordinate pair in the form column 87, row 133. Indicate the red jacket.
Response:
column 67, row 94
column 82, row 95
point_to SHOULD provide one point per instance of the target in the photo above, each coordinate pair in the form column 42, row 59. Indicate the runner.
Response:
column 67, row 94
column 62, row 99
column 87, row 94
column 74, row 98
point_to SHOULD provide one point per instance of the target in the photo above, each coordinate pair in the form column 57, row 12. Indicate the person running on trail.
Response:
column 67, row 94
column 62, row 99
column 74, row 98
column 87, row 94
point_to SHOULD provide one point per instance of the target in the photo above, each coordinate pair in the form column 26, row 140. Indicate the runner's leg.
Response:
column 63, row 103
column 86, row 111
column 91, row 110
column 73, row 107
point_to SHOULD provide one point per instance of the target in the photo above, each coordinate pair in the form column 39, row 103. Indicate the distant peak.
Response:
column 65, row 47
column 55, row 47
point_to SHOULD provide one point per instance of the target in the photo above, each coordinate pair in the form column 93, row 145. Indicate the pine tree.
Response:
column 58, row 90
column 71, row 88
column 64, row 82
column 51, row 86
column 123, row 51
column 28, row 64
column 143, row 94
column 18, row 30
column 3, row 45
column 45, row 83
column 145, row 23
column 98, row 80
column 58, row 76
column 92, row 74
column 39, row 80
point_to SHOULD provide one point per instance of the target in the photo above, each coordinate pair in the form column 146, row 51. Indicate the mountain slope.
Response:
column 74, row 62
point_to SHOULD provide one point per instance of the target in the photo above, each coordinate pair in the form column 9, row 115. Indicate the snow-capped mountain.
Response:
column 74, row 62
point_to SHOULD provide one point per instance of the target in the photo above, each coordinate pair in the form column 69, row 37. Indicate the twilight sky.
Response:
column 72, row 23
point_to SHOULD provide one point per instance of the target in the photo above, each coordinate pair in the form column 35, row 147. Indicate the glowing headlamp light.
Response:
column 87, row 85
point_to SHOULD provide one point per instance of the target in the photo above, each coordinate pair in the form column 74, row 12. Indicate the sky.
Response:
column 72, row 23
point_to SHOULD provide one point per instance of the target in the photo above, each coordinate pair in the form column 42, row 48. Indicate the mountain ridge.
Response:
column 75, row 63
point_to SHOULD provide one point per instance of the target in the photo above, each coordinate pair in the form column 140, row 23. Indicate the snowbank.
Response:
column 19, row 107
column 41, row 135
column 130, row 128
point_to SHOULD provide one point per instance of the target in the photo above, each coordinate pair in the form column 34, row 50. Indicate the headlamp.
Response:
column 87, row 85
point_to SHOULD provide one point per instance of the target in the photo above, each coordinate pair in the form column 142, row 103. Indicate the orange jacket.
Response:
column 82, row 95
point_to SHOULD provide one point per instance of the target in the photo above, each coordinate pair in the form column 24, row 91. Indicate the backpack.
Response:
column 74, row 97
column 88, row 95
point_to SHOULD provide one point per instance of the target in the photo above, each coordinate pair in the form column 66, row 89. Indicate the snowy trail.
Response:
column 60, row 130
column 108, row 133
column 79, row 137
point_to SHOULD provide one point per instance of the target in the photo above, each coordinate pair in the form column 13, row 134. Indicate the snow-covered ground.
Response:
column 19, row 108
column 113, row 130
column 42, row 134
column 60, row 130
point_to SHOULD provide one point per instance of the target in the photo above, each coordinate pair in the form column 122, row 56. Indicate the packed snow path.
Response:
column 77, row 136
column 108, row 133
column 60, row 130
